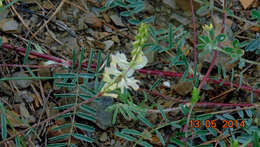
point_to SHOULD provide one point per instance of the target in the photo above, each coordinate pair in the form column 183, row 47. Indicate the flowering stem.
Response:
column 215, row 54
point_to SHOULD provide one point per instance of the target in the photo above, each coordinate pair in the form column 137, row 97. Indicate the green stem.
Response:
column 234, row 16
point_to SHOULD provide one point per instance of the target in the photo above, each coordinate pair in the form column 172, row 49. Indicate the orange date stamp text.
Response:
column 213, row 124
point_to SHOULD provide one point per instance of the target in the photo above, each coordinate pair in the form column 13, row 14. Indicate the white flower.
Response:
column 119, row 74
column 141, row 61
column 119, row 60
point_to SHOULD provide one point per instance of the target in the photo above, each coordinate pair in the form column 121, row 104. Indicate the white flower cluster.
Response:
column 120, row 73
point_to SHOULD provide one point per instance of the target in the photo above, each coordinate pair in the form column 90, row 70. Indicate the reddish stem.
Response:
column 142, row 71
column 31, row 66
column 215, row 55
column 209, row 70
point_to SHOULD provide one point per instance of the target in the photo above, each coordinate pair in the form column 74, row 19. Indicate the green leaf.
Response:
column 202, row 9
column 234, row 143
column 108, row 3
column 88, row 109
column 82, row 52
column 195, row 95
column 131, row 132
column 162, row 113
column 160, row 137
column 125, row 13
column 255, row 140
column 176, row 141
column 133, row 21
column 18, row 141
column 74, row 59
column 90, row 59
column 221, row 37
column 83, row 137
column 136, row 4
column 239, row 52
column 68, row 85
column 123, row 112
column 254, row 45
column 98, row 61
column 65, row 95
column 204, row 117
column 173, row 124
column 121, row 4
column 256, row 14
column 7, row 6
column 3, row 122
column 63, row 107
column 130, row 113
column 84, row 127
column 87, row 75
column 170, row 36
column 184, row 109
column 148, row 19
column 153, row 33
column 64, row 126
column 60, row 137
column 138, row 9
column 229, row 117
column 1, row 41
column 145, row 144
column 38, row 48
column 212, row 131
column 64, row 116
column 27, row 52
column 124, row 136
column 87, row 117
column 236, row 43
column 228, row 49
column 241, row 114
column 153, row 48
column 73, row 145
column 57, row 145
column 249, row 113
column 65, row 75
column 144, row 120
column 115, row 115
column 156, row 83
column 204, row 39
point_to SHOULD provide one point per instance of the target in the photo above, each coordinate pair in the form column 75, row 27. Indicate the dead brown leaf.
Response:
column 247, row 3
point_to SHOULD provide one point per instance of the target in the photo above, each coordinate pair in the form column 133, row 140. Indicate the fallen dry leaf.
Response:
column 255, row 29
column 247, row 3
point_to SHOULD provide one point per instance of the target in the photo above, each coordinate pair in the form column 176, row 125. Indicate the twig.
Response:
column 19, row 16
column 194, row 35
column 56, row 11
column 223, row 93
column 53, row 117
